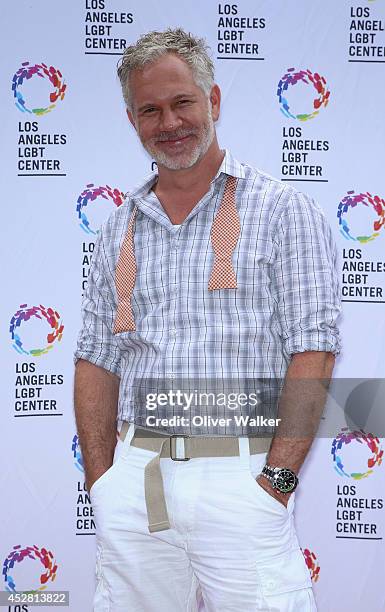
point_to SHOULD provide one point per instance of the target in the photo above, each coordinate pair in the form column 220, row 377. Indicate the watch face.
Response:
column 286, row 481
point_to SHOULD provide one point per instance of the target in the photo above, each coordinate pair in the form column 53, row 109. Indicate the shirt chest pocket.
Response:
column 143, row 303
column 151, row 283
column 252, row 270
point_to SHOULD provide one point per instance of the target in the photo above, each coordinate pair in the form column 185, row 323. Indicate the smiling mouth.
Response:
column 174, row 140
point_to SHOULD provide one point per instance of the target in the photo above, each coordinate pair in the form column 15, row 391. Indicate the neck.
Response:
column 189, row 179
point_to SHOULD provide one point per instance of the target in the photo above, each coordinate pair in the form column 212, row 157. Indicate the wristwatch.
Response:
column 282, row 479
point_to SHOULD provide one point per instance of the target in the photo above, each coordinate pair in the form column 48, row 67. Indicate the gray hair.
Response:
column 149, row 47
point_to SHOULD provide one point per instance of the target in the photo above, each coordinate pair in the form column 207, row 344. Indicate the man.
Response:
column 210, row 271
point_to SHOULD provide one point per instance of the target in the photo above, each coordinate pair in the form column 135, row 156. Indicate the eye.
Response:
column 149, row 110
column 184, row 101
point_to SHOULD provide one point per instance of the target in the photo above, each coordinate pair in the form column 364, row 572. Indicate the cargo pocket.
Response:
column 101, row 597
column 285, row 583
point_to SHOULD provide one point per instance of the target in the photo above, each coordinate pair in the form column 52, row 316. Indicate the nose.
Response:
column 169, row 120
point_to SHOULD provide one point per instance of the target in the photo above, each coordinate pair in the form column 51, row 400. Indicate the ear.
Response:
column 131, row 118
column 215, row 101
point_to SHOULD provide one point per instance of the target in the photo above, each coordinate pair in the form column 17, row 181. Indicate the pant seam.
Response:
column 105, row 584
column 192, row 593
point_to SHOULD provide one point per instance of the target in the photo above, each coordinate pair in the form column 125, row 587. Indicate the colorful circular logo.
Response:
column 18, row 554
column 351, row 200
column 24, row 314
column 312, row 564
column 346, row 437
column 26, row 72
column 292, row 77
column 90, row 194
column 77, row 454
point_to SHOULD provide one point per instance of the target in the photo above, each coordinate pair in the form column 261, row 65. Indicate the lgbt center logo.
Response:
column 18, row 555
column 292, row 78
column 77, row 453
column 312, row 564
column 90, row 194
column 26, row 314
column 351, row 201
column 25, row 73
column 353, row 438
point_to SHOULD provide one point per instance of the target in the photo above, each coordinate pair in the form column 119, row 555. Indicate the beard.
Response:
column 202, row 140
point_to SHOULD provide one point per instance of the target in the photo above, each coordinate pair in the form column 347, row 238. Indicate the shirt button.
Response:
column 173, row 332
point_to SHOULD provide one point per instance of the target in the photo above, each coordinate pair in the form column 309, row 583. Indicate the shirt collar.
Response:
column 229, row 166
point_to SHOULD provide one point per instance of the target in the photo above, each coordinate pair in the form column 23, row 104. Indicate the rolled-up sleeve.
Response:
column 96, row 342
column 305, row 280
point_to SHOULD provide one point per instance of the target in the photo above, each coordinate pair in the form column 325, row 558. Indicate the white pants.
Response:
column 232, row 547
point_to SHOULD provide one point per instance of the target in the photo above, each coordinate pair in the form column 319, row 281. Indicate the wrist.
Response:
column 265, row 484
column 282, row 479
column 91, row 476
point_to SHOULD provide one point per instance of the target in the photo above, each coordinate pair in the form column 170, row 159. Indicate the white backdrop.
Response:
column 82, row 154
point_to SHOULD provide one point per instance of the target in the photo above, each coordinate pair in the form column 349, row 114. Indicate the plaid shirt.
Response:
column 287, row 300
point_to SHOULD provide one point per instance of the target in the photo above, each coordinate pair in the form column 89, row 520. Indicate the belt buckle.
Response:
column 173, row 448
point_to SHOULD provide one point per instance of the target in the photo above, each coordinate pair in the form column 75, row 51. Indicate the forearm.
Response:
column 301, row 406
column 96, row 401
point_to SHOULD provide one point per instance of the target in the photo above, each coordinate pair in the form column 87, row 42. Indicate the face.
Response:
column 173, row 117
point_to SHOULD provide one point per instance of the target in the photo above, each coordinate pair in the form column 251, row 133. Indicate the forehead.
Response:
column 167, row 76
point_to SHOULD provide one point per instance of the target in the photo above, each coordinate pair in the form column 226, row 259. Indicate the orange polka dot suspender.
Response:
column 225, row 232
column 125, row 277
